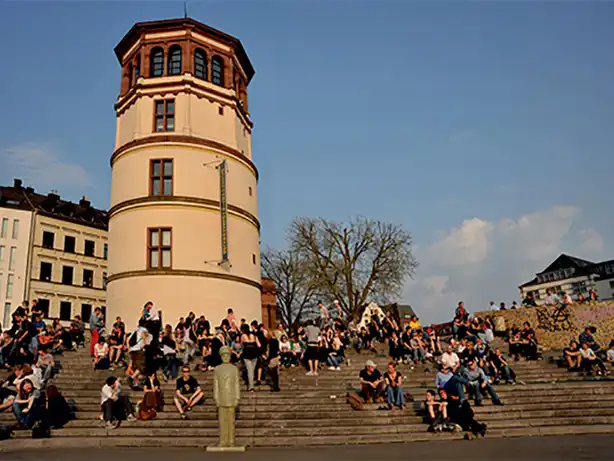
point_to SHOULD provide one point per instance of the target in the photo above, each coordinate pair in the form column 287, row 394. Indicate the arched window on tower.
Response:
column 217, row 70
column 130, row 82
column 200, row 64
column 137, row 69
column 174, row 60
column 157, row 63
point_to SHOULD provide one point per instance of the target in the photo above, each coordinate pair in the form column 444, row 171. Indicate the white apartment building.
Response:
column 574, row 276
column 15, row 230
column 52, row 251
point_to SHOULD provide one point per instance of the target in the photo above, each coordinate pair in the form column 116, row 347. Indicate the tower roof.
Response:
column 184, row 23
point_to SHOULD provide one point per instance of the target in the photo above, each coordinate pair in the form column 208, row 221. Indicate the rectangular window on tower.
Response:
column 161, row 177
column 159, row 247
column 164, row 115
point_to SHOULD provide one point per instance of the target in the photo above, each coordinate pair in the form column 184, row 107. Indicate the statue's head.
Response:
column 225, row 353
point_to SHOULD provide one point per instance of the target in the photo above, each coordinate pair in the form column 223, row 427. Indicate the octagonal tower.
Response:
column 183, row 222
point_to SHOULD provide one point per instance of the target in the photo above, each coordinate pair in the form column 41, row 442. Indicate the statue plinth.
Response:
column 227, row 393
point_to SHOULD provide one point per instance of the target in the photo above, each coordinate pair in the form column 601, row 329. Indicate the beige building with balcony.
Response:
column 183, row 226
column 61, row 253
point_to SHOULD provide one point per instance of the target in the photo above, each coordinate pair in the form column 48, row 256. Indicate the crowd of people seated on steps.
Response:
column 151, row 354
column 586, row 355
column 27, row 350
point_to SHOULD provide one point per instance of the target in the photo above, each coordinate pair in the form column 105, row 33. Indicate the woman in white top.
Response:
column 101, row 355
column 590, row 360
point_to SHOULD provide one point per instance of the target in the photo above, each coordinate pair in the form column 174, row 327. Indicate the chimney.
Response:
column 53, row 196
column 84, row 202
column 17, row 183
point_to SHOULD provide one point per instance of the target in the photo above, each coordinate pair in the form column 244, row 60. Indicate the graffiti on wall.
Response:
column 557, row 318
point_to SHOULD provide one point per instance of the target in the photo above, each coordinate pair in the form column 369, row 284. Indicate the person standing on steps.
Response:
column 251, row 352
column 273, row 361
column 312, row 355
column 323, row 314
column 96, row 328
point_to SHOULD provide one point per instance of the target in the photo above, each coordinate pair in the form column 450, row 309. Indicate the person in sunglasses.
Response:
column 188, row 393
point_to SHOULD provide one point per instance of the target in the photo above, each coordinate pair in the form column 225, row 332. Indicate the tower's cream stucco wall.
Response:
column 196, row 281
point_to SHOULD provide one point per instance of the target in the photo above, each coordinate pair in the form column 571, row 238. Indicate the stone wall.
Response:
column 555, row 326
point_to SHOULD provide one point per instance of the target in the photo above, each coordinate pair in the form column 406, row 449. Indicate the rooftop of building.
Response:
column 580, row 267
column 167, row 25
column 25, row 198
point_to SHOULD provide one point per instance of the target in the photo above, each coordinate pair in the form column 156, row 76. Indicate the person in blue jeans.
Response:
column 395, row 394
column 477, row 383
column 453, row 384
column 25, row 406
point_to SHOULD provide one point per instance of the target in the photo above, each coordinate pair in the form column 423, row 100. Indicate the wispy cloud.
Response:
column 42, row 167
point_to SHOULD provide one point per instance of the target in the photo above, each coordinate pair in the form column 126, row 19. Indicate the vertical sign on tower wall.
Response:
column 224, row 211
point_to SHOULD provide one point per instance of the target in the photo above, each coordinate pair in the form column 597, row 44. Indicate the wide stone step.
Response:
column 24, row 440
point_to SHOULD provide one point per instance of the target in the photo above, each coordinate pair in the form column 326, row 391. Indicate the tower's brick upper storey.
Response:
column 176, row 47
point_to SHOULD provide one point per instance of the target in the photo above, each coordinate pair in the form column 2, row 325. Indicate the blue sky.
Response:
column 485, row 128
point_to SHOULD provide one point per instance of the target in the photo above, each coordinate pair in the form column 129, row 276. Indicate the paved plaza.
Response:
column 586, row 447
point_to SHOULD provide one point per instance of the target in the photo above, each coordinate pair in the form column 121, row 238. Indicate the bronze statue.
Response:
column 227, row 393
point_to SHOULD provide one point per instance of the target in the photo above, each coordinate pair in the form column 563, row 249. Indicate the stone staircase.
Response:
column 312, row 411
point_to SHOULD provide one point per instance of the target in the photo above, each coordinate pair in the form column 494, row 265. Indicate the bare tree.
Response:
column 356, row 262
column 293, row 284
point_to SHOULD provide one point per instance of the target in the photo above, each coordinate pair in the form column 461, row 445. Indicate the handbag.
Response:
column 274, row 362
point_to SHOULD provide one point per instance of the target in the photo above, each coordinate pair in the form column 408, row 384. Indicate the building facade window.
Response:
column 157, row 63
column 65, row 310
column 88, row 278
column 86, row 312
column 43, row 305
column 5, row 227
column 164, row 115
column 9, row 286
column 105, row 253
column 200, row 64
column 15, row 229
column 69, row 244
column 46, row 272
column 1, row 255
column 48, row 239
column 159, row 248
column 161, row 177
column 89, row 249
column 217, row 70
column 104, row 280
column 12, row 255
column 7, row 313
column 67, row 275
column 174, row 60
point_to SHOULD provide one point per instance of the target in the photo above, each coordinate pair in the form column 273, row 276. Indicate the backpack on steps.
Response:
column 41, row 431
column 355, row 401
column 5, row 432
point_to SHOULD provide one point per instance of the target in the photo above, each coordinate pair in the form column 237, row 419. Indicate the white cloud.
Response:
column 593, row 241
column 480, row 261
column 42, row 167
